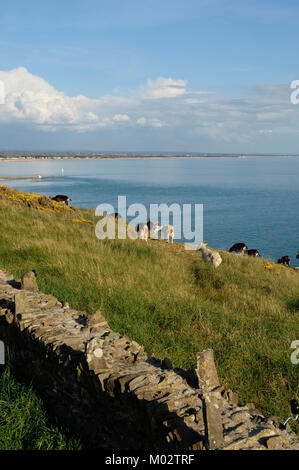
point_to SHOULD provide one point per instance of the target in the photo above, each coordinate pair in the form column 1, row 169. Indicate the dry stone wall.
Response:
column 106, row 387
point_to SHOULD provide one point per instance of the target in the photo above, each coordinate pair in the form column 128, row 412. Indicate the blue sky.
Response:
column 193, row 75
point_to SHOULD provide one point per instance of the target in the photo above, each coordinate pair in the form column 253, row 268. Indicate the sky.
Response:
column 149, row 75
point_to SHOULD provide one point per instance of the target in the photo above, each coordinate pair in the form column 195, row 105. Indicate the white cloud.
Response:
column 31, row 99
column 162, row 88
column 120, row 117
column 268, row 116
column 266, row 131
column 150, row 122
column 192, row 101
column 163, row 103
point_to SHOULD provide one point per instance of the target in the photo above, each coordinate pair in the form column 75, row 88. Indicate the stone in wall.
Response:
column 28, row 281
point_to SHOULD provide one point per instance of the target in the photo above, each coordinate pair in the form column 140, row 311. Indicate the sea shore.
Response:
column 36, row 177
column 149, row 157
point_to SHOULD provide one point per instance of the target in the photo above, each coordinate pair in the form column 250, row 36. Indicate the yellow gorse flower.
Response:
column 269, row 266
column 82, row 221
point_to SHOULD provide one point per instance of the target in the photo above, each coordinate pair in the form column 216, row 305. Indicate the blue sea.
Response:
column 254, row 200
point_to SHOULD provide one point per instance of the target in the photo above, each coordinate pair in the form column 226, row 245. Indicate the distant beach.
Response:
column 52, row 156
column 162, row 157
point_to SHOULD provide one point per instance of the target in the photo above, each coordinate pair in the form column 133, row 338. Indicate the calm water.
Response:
column 250, row 200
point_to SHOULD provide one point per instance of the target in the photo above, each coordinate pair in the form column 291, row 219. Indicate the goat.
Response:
column 152, row 229
column 252, row 253
column 166, row 230
column 116, row 215
column 143, row 231
column 238, row 248
column 209, row 256
column 284, row 260
column 61, row 198
column 151, row 225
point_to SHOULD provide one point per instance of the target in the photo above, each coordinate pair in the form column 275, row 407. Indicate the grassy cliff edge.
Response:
column 165, row 298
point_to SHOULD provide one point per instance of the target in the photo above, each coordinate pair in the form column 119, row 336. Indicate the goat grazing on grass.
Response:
column 143, row 231
column 116, row 215
column 61, row 198
column 209, row 256
column 151, row 225
column 240, row 248
column 284, row 260
column 253, row 253
column 166, row 230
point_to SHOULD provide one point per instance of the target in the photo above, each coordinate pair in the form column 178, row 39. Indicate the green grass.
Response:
column 24, row 423
column 168, row 299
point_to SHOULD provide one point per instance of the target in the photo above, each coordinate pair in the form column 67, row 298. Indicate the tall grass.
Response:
column 168, row 299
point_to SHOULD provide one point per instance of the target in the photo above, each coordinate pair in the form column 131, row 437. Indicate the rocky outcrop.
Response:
column 106, row 387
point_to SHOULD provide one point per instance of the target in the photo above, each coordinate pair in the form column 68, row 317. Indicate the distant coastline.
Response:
column 36, row 159
column 38, row 177
column 32, row 157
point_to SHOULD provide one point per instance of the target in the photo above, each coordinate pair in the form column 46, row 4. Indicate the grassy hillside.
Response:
column 164, row 297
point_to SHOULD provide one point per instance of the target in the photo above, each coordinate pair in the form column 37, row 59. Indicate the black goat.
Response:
column 285, row 260
column 252, row 253
column 61, row 198
column 238, row 248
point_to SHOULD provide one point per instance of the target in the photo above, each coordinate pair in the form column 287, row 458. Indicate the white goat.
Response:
column 166, row 230
column 143, row 231
column 210, row 256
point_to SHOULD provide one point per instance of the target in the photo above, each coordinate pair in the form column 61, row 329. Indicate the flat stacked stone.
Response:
column 105, row 386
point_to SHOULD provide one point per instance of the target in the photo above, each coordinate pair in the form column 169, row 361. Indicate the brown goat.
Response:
column 61, row 198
